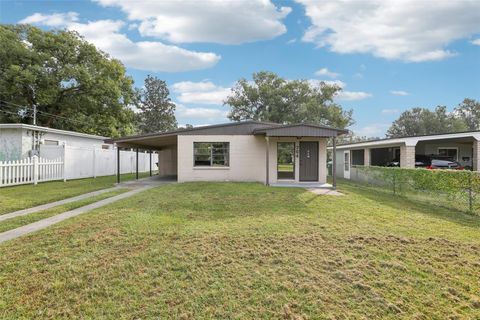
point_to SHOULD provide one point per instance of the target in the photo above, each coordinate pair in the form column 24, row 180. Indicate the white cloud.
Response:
column 216, row 21
column 408, row 30
column 390, row 111
column 353, row 95
column 51, row 20
column 143, row 55
column 372, row 130
column 327, row 73
column 203, row 92
column 195, row 113
column 399, row 93
column 342, row 95
column 476, row 42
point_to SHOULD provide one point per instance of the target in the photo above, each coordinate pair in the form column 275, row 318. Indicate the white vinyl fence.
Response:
column 31, row 170
column 67, row 162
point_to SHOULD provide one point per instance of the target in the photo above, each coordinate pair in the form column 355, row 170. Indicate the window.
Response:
column 358, row 157
column 448, row 152
column 50, row 142
column 286, row 160
column 211, row 154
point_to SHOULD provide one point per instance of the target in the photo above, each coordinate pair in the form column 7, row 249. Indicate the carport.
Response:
column 165, row 144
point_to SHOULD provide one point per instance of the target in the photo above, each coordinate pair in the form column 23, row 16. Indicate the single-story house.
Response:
column 19, row 141
column 266, row 152
column 463, row 147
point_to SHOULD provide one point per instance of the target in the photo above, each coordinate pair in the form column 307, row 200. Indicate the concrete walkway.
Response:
column 53, row 204
column 137, row 186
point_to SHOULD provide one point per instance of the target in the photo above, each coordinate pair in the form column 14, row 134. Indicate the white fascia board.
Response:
column 408, row 141
column 46, row 129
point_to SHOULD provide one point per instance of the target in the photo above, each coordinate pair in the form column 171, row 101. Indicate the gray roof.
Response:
column 234, row 128
column 300, row 130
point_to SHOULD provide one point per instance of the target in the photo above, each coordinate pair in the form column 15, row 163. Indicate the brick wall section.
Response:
column 476, row 155
column 366, row 157
column 407, row 157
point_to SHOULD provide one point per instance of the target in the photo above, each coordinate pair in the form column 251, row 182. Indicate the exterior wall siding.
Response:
column 247, row 159
column 407, row 156
column 11, row 144
column 476, row 156
column 167, row 162
column 15, row 144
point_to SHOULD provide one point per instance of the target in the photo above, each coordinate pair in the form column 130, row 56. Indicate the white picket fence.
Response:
column 31, row 170
column 68, row 162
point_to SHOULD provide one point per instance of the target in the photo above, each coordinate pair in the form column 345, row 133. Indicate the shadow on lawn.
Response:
column 402, row 202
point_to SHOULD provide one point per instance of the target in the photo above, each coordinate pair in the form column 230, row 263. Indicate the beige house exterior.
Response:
column 249, row 151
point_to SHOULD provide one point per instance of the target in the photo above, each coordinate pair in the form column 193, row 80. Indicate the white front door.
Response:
column 346, row 162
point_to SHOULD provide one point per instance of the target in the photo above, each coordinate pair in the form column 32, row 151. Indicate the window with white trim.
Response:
column 211, row 154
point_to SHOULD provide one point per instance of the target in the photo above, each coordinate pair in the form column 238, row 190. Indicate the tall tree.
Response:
column 422, row 121
column 469, row 112
column 73, row 85
column 157, row 111
column 272, row 98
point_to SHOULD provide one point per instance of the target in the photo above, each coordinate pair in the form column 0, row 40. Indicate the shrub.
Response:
column 455, row 184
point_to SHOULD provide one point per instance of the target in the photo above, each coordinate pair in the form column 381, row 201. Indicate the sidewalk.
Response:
column 137, row 187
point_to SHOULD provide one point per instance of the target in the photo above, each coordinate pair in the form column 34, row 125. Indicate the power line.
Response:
column 14, row 113
column 12, row 105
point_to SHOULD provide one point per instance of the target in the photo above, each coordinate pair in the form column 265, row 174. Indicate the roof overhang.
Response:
column 412, row 141
column 50, row 130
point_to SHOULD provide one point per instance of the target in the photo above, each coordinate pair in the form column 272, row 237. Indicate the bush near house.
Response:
column 455, row 188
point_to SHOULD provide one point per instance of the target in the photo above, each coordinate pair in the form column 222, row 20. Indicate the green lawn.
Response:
column 246, row 251
column 16, row 222
column 26, row 196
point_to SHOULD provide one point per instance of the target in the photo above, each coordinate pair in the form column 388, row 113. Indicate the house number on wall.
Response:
column 308, row 153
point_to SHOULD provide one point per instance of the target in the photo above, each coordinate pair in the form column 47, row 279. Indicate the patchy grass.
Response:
column 27, row 196
column 13, row 223
column 245, row 251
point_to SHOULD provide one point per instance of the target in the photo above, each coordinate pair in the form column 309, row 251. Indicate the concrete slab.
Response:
column 53, row 204
column 301, row 185
column 325, row 191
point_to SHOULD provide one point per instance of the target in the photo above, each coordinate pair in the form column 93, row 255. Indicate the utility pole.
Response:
column 34, row 115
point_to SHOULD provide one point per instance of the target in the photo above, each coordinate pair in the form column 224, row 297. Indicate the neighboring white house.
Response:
column 266, row 152
column 79, row 155
column 463, row 147
column 20, row 141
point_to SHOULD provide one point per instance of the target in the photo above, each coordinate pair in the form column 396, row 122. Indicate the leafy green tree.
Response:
column 272, row 98
column 422, row 121
column 157, row 111
column 73, row 85
column 469, row 112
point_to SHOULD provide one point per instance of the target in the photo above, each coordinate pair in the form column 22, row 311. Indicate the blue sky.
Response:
column 388, row 55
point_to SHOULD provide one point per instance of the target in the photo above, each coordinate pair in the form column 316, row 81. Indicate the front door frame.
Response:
column 301, row 163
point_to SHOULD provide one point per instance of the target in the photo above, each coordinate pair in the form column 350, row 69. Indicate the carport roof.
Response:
column 411, row 140
column 165, row 139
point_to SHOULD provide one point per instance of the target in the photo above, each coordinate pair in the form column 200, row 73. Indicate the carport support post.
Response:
column 150, row 163
column 334, row 163
column 136, row 163
column 118, row 164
